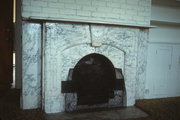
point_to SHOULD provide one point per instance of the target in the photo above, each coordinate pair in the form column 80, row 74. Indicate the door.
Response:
column 163, row 82
column 159, row 63
column 6, row 41
column 176, row 68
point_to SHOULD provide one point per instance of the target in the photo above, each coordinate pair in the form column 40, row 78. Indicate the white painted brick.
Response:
column 83, row 13
column 143, row 14
column 32, row 9
column 125, row 6
column 113, row 5
column 39, row 14
column 108, row 0
column 83, row 2
column 149, row 3
column 129, row 7
column 73, row 6
column 147, row 18
column 111, row 15
column 67, row 12
column 53, row 1
column 104, row 9
column 147, row 9
column 75, row 17
column 141, row 8
column 141, row 22
column 50, row 10
column 131, row 12
column 67, row 1
column 119, row 1
column 26, row 14
column 56, row 15
column 122, row 11
column 39, row 3
column 98, row 3
column 56, row 5
column 89, row 8
column 98, row 14
column 26, row 2
column 134, row 2
column 139, row 18
column 144, row 3
column 126, row 17
column 133, row 7
column 118, row 10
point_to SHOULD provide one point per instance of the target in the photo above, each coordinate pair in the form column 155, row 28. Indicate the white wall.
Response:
column 163, row 62
column 176, row 68
column 165, row 13
column 107, row 11
column 163, row 66
column 165, row 33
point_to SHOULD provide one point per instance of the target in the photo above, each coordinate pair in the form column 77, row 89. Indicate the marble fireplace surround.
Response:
column 51, row 49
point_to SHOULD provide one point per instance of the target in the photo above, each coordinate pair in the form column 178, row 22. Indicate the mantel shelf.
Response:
column 48, row 19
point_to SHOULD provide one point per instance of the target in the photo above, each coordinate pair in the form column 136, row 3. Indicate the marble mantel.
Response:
column 52, row 48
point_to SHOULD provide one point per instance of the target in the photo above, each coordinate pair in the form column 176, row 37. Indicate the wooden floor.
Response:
column 158, row 109
column 161, row 109
column 9, row 107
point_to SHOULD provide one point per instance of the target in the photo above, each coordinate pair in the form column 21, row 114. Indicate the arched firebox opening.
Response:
column 93, row 83
column 94, row 80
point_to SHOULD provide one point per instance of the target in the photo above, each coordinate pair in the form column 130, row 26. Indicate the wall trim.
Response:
column 48, row 19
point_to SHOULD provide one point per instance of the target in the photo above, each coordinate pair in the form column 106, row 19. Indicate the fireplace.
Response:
column 73, row 66
column 93, row 84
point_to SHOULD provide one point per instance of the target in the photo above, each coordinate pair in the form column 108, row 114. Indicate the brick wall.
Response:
column 135, row 12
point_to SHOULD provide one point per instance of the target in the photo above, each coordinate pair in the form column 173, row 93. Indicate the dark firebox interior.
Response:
column 94, row 80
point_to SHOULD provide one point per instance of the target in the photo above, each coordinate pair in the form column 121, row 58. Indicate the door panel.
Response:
column 163, row 81
column 159, row 69
column 178, row 78
column 6, row 41
column 176, row 68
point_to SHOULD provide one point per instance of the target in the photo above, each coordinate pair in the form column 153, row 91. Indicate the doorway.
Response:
column 6, row 41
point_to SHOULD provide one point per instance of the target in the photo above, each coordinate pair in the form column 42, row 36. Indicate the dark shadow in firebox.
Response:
column 94, row 83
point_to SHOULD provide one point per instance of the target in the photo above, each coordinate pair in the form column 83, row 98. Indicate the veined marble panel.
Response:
column 141, row 64
column 117, row 58
column 125, row 39
column 62, row 53
column 70, row 59
column 31, row 66
column 65, row 44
